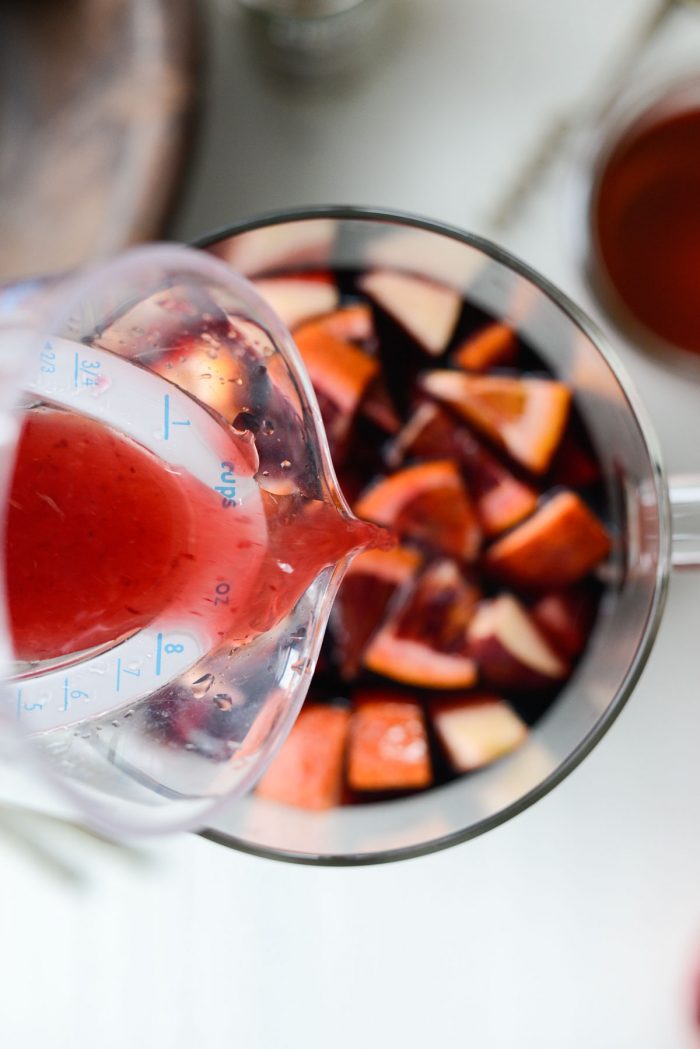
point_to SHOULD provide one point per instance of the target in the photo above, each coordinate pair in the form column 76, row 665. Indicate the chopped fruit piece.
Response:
column 349, row 323
column 337, row 368
column 427, row 503
column 296, row 299
column 558, row 545
column 388, row 744
column 340, row 373
column 424, row 640
column 494, row 345
column 162, row 321
column 477, row 729
column 286, row 244
column 427, row 311
column 369, row 584
column 499, row 498
column 565, row 617
column 377, row 406
column 510, row 650
column 525, row 416
column 308, row 770
column 207, row 370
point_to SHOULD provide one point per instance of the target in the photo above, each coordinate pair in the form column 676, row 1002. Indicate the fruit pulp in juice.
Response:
column 102, row 537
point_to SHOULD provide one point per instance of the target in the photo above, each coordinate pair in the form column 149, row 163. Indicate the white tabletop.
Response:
column 577, row 925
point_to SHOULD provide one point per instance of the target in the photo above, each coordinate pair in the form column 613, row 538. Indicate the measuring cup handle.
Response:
column 684, row 491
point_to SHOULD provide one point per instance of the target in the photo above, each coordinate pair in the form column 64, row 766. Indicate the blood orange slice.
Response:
column 493, row 346
column 368, row 586
column 340, row 373
column 308, row 770
column 501, row 500
column 558, row 545
column 526, row 417
column 429, row 504
column 388, row 744
column 424, row 640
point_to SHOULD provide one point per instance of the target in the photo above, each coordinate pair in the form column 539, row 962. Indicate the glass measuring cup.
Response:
column 175, row 536
column 639, row 500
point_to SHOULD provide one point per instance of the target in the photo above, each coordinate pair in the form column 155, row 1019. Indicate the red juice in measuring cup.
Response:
column 152, row 520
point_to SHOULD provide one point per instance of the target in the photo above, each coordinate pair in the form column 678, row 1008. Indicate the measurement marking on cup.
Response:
column 168, row 421
column 159, row 652
column 48, row 359
column 121, row 669
column 85, row 373
column 69, row 693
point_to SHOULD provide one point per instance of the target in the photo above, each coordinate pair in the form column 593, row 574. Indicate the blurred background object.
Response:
column 96, row 107
column 316, row 38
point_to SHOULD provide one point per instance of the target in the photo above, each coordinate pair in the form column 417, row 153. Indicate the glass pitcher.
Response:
column 656, row 523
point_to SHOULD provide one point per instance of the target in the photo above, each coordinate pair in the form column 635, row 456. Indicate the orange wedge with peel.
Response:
column 427, row 503
column 423, row 641
column 493, row 346
column 526, row 417
column 560, row 544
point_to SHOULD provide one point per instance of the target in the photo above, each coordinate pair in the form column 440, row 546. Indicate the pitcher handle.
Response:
column 684, row 492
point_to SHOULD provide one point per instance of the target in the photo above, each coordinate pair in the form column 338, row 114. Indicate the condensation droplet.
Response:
column 285, row 464
column 222, row 701
column 201, row 686
column 284, row 567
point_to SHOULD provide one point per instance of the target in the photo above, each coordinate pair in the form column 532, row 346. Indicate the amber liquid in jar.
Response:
column 646, row 222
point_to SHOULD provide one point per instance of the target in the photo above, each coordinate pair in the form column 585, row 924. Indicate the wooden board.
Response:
column 96, row 108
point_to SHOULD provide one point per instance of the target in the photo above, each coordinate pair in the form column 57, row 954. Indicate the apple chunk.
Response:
column 427, row 311
column 560, row 544
column 297, row 299
column 477, row 729
column 509, row 649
